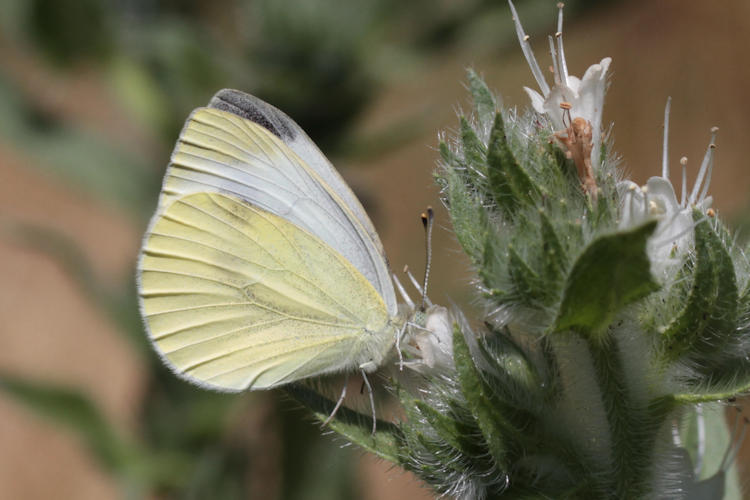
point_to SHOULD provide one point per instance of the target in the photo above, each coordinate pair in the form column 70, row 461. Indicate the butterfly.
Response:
column 260, row 267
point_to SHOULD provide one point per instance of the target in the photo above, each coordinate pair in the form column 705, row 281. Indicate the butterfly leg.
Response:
column 399, row 336
column 372, row 399
column 338, row 403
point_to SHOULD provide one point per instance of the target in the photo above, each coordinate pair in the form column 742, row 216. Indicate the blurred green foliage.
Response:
column 321, row 61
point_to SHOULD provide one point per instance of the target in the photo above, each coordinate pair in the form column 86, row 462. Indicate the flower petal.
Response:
column 659, row 187
column 537, row 101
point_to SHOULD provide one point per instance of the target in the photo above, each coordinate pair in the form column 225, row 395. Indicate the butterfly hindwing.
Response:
column 236, row 297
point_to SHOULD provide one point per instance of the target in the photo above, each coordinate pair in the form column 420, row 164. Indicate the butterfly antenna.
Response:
column 428, row 218
column 338, row 403
column 372, row 400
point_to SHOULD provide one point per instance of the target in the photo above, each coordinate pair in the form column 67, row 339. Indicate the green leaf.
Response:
column 509, row 182
column 484, row 101
column 354, row 426
column 527, row 284
column 479, row 400
column 510, row 365
column 450, row 159
column 612, row 272
column 709, row 319
column 473, row 149
column 467, row 215
column 115, row 451
column 453, row 432
column 555, row 257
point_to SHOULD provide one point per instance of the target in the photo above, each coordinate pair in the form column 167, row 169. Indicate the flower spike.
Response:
column 585, row 95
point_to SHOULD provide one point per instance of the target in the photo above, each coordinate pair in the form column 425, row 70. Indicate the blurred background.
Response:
column 93, row 94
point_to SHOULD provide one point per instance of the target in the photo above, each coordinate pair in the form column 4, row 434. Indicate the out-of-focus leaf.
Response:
column 68, row 32
column 139, row 93
column 110, row 172
column 76, row 412
column 314, row 466
column 321, row 77
column 116, row 452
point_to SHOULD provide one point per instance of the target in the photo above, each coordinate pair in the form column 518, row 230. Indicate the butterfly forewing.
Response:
column 223, row 152
column 282, row 126
column 236, row 297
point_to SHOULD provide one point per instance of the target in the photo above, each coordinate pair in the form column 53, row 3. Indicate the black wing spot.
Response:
column 256, row 110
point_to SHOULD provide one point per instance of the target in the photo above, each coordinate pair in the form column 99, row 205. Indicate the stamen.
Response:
column 566, row 119
column 665, row 147
column 523, row 39
column 555, row 67
column 707, row 160
column 704, row 191
column 683, row 196
column 560, row 51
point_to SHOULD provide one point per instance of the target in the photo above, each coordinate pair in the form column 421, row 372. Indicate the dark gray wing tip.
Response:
column 256, row 110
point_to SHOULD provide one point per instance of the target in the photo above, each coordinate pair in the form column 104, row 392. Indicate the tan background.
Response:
column 694, row 51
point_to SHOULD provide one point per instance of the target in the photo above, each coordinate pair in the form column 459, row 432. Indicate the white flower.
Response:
column 585, row 97
column 433, row 343
column 427, row 337
column 657, row 200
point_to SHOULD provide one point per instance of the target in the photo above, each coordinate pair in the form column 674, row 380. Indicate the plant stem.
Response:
column 632, row 428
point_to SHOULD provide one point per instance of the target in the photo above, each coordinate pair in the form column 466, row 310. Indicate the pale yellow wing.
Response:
column 221, row 151
column 235, row 298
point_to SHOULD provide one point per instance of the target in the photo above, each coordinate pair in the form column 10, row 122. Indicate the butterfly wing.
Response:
column 235, row 297
column 247, row 148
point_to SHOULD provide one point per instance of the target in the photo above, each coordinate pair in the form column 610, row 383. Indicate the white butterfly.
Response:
column 260, row 266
